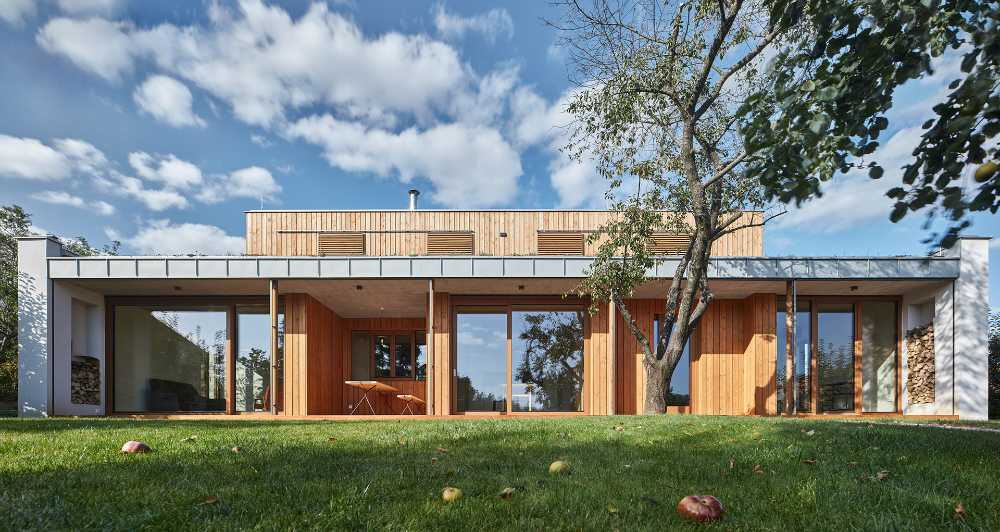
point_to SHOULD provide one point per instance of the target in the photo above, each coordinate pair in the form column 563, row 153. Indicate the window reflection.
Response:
column 381, row 354
column 548, row 361
column 803, row 355
column 835, row 356
column 253, row 359
column 481, row 362
column 679, row 391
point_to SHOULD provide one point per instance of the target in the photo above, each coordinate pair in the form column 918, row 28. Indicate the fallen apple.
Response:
column 700, row 508
column 558, row 467
column 135, row 447
column 451, row 494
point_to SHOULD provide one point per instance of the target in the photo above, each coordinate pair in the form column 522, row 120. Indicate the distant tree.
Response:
column 824, row 108
column 14, row 223
column 994, row 363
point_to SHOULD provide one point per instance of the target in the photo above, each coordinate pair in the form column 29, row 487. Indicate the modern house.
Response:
column 446, row 312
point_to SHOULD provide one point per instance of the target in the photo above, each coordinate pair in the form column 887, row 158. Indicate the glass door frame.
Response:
column 856, row 304
column 508, row 305
column 194, row 303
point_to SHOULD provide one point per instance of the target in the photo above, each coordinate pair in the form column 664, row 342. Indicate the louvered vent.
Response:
column 449, row 243
column 670, row 243
column 341, row 244
column 560, row 243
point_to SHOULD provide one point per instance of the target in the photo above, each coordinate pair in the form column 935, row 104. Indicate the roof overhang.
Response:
column 758, row 268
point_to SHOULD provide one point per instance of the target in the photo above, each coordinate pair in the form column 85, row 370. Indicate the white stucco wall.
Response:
column 77, row 329
column 34, row 314
column 971, row 329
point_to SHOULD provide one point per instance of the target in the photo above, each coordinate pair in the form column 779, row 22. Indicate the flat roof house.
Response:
column 463, row 312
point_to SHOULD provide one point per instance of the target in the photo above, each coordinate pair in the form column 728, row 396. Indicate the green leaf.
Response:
column 898, row 212
column 875, row 172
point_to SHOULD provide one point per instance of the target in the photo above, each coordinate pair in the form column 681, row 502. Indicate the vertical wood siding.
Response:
column 312, row 333
column 404, row 233
column 732, row 357
column 384, row 404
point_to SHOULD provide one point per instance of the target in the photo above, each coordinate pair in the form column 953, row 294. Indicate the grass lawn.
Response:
column 626, row 473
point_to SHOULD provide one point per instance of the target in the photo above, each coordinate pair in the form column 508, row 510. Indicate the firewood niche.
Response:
column 920, row 364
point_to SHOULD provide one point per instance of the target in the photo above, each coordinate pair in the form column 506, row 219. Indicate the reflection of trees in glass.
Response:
column 256, row 363
column 835, row 364
column 382, row 356
column 189, row 353
column 472, row 400
column 551, row 364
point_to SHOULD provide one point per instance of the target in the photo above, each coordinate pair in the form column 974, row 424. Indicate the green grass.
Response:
column 627, row 473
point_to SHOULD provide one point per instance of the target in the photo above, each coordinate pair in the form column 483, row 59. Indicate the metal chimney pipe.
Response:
column 414, row 193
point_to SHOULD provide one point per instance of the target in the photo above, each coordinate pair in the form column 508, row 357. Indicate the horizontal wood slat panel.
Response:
column 341, row 244
column 560, row 243
column 670, row 243
column 449, row 243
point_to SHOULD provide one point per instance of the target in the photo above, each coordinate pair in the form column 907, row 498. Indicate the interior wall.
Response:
column 382, row 403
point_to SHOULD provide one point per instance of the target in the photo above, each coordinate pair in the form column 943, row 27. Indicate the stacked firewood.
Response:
column 85, row 381
column 920, row 364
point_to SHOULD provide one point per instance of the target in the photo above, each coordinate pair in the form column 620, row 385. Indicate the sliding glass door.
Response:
column 515, row 358
column 481, row 362
column 801, row 382
column 879, row 341
column 835, row 356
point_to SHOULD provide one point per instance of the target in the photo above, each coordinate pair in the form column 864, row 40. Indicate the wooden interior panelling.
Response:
column 560, row 243
column 312, row 334
column 336, row 244
column 598, row 369
column 384, row 404
column 404, row 233
column 449, row 243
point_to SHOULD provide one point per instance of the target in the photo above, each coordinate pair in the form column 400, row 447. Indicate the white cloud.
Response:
column 261, row 61
column 168, row 238
column 168, row 101
column 89, row 7
column 260, row 140
column 95, row 45
column 491, row 24
column 251, row 182
column 64, row 198
column 174, row 173
column 28, row 158
column 83, row 155
column 534, row 121
column 16, row 12
column 469, row 166
column 153, row 199
column 853, row 199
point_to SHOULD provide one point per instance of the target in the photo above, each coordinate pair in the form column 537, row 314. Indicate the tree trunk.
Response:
column 657, row 383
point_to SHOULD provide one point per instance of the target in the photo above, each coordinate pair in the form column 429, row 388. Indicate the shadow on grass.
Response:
column 626, row 473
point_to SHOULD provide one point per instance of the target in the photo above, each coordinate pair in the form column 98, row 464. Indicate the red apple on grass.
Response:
column 700, row 508
column 135, row 447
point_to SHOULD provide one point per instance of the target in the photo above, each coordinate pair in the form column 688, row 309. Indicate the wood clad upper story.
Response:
column 450, row 232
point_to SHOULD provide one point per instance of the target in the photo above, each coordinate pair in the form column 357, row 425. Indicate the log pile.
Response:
column 85, row 381
column 920, row 364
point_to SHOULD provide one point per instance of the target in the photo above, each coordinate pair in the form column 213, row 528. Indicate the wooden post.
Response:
column 790, row 346
column 429, row 347
column 273, row 291
column 612, row 357
column 231, row 333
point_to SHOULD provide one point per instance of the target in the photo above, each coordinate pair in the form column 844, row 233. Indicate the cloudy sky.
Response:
column 159, row 123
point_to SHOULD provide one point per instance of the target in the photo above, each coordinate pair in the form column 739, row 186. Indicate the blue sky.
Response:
column 158, row 123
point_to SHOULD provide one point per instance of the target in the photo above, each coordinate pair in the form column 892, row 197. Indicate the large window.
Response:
column 519, row 359
column 547, row 349
column 679, row 391
column 253, row 359
column 879, row 337
column 481, row 362
column 170, row 359
column 388, row 355
column 835, row 356
column 801, row 386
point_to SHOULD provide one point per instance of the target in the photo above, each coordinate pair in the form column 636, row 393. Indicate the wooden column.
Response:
column 790, row 346
column 857, row 357
column 611, row 357
column 231, row 332
column 429, row 348
column 273, row 292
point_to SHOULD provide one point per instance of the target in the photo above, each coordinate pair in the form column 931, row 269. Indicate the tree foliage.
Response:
column 825, row 108
column 656, row 110
column 14, row 223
